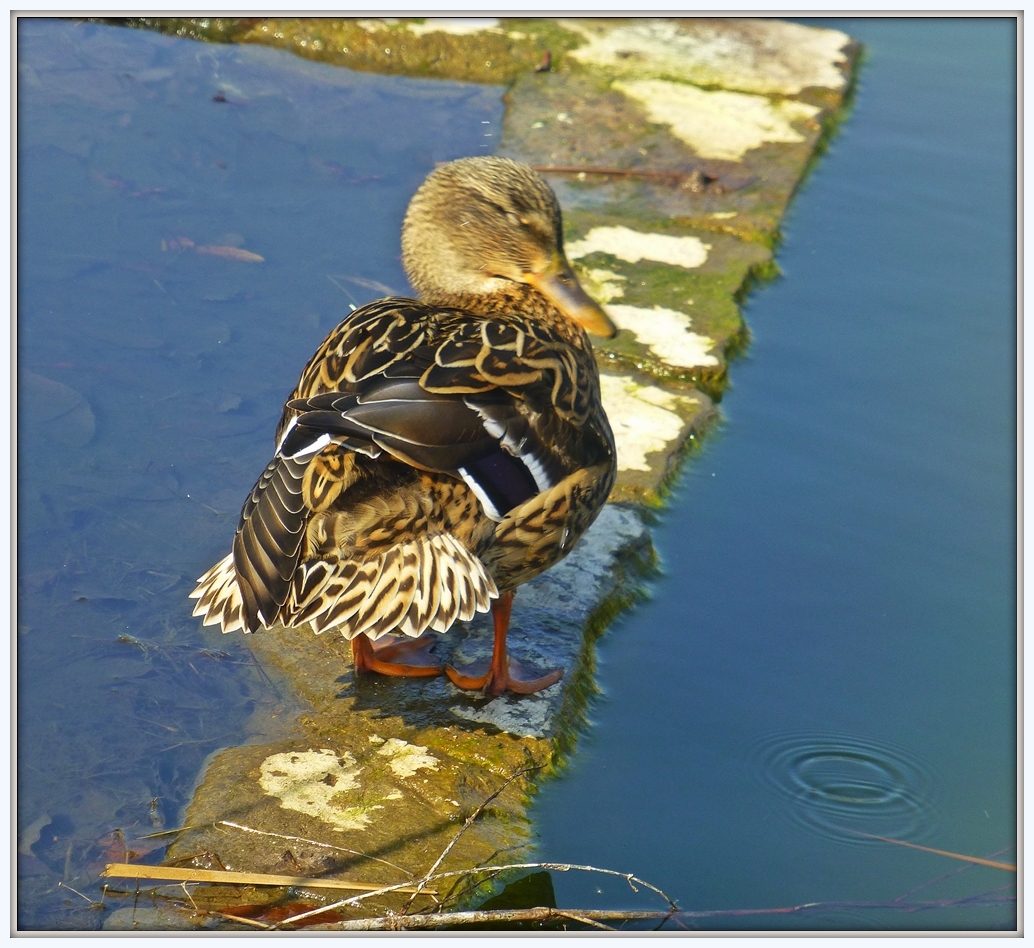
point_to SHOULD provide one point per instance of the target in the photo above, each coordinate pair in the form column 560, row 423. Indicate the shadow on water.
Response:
column 193, row 219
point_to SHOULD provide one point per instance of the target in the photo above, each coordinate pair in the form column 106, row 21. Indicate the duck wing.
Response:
column 500, row 406
column 484, row 439
column 412, row 367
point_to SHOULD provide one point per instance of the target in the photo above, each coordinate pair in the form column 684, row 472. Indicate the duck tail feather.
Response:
column 426, row 582
column 219, row 596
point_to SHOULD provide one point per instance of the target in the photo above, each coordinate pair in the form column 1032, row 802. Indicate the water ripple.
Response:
column 840, row 786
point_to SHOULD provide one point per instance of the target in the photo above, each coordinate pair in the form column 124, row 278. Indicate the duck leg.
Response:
column 502, row 673
column 380, row 656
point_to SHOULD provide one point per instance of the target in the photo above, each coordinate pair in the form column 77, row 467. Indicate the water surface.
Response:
column 151, row 376
column 832, row 646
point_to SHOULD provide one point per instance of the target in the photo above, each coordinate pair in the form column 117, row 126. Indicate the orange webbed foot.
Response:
column 518, row 678
column 397, row 656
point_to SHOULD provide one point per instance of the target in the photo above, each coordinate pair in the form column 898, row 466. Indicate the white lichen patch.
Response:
column 458, row 26
column 643, row 418
column 633, row 246
column 718, row 124
column 318, row 783
column 603, row 285
column 406, row 759
column 529, row 717
column 667, row 333
column 373, row 25
column 766, row 56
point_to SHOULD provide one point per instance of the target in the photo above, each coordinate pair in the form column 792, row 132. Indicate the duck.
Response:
column 439, row 452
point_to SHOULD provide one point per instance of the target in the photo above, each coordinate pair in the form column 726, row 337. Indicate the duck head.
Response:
column 480, row 226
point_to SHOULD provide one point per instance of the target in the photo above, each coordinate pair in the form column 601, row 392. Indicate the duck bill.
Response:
column 561, row 287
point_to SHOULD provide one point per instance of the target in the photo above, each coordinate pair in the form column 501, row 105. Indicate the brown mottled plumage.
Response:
column 436, row 454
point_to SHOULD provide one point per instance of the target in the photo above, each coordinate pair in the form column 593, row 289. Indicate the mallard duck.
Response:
column 436, row 453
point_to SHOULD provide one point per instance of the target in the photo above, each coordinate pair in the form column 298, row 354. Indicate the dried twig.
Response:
column 355, row 900
column 469, row 822
column 175, row 830
column 620, row 172
column 310, row 842
column 585, row 920
column 946, row 875
column 1008, row 866
column 591, row 917
column 123, row 870
column 93, row 902
column 237, row 918
column 631, row 879
column 594, row 916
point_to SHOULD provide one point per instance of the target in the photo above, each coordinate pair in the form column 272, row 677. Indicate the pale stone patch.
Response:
column 766, row 56
column 529, row 716
column 406, row 759
column 666, row 332
column 634, row 245
column 719, row 124
column 642, row 418
column 602, row 285
column 458, row 26
column 315, row 782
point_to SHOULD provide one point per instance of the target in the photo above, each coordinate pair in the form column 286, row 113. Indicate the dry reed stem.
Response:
column 977, row 860
column 128, row 870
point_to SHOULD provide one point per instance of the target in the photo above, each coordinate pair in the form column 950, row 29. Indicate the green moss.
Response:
column 711, row 299
column 836, row 113
column 687, row 449
column 497, row 57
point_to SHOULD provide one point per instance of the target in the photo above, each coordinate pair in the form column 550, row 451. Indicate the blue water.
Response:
column 832, row 644
column 830, row 648
column 150, row 380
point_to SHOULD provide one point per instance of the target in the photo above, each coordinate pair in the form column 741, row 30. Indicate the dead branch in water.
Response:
column 591, row 917
column 440, row 917
column 596, row 917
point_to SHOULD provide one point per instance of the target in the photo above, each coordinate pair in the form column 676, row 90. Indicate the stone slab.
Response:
column 674, row 147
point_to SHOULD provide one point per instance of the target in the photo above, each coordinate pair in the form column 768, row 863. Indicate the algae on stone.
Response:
column 767, row 56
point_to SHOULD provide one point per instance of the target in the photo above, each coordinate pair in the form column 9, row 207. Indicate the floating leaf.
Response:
column 231, row 253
